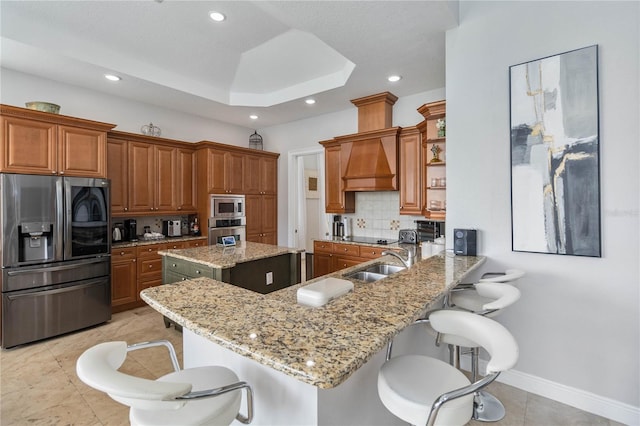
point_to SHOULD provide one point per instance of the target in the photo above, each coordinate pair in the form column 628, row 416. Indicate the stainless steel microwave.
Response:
column 226, row 206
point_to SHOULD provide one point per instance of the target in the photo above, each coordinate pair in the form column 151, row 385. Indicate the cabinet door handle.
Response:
column 174, row 265
column 150, row 266
column 121, row 253
column 134, row 260
column 126, row 209
column 198, row 272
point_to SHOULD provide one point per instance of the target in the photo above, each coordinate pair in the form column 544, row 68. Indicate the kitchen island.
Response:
column 263, row 268
column 307, row 365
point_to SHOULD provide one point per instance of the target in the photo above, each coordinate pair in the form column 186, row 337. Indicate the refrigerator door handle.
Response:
column 59, row 215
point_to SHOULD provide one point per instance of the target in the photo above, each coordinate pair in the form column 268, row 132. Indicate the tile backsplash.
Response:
column 378, row 215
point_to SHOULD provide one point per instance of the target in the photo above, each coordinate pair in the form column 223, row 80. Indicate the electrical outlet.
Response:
column 269, row 278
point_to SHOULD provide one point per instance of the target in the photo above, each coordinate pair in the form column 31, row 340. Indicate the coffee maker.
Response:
column 130, row 230
column 338, row 226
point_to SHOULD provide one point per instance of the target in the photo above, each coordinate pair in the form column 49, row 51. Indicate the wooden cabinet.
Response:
column 150, row 177
column 135, row 268
column 117, row 171
column 410, row 171
column 224, row 171
column 123, row 277
column 330, row 257
column 337, row 201
column 433, row 154
column 149, row 266
column 185, row 180
column 260, row 175
column 262, row 218
column 238, row 170
column 34, row 142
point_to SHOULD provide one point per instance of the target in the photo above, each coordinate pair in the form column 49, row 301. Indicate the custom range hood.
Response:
column 369, row 158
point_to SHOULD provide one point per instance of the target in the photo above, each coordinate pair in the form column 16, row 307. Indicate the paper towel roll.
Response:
column 426, row 249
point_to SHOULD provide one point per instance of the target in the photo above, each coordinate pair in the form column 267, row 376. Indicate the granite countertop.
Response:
column 320, row 346
column 141, row 242
column 227, row 257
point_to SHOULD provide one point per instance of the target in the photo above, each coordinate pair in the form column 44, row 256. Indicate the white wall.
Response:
column 578, row 321
column 17, row 88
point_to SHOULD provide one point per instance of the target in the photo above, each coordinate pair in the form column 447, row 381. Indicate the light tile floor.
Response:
column 39, row 386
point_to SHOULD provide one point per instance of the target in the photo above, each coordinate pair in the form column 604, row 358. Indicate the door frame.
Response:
column 292, row 158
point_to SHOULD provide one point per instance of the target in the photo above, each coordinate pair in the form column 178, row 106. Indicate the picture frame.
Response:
column 555, row 154
column 311, row 183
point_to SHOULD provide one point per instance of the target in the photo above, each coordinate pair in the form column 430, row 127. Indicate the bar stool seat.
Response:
column 194, row 396
column 423, row 390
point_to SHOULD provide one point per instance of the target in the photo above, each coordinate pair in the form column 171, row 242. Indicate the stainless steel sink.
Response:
column 375, row 272
column 365, row 276
column 385, row 269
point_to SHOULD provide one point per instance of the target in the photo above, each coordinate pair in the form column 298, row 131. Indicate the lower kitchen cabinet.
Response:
column 123, row 277
column 134, row 269
column 330, row 257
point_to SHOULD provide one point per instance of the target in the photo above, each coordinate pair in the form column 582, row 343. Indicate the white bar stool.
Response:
column 424, row 390
column 194, row 396
column 488, row 297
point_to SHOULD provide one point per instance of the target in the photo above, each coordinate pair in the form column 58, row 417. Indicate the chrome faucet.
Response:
column 406, row 262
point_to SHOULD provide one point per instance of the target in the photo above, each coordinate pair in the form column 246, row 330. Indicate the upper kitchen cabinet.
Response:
column 238, row 170
column 433, row 134
column 336, row 199
column 35, row 142
column 186, row 182
column 150, row 175
column 260, row 174
column 117, row 171
column 224, row 170
column 410, row 171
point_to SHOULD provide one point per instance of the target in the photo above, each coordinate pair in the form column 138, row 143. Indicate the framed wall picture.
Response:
column 311, row 183
column 555, row 172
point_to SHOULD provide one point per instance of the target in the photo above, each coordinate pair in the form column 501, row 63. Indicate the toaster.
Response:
column 408, row 236
column 171, row 228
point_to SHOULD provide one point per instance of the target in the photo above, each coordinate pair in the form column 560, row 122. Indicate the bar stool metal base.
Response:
column 487, row 408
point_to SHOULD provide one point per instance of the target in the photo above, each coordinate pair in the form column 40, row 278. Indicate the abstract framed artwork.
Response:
column 555, row 170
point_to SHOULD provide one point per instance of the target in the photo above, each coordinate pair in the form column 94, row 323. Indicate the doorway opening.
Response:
column 306, row 203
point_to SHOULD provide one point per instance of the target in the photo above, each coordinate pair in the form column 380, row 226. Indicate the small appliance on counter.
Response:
column 338, row 226
column 171, row 228
column 130, row 230
column 429, row 230
column 346, row 227
column 408, row 236
column 118, row 232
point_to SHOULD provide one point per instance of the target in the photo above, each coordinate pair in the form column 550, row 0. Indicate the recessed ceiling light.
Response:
column 394, row 78
column 112, row 77
column 253, row 117
column 310, row 101
column 217, row 16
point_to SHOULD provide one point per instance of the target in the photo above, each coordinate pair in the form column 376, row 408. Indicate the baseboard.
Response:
column 585, row 401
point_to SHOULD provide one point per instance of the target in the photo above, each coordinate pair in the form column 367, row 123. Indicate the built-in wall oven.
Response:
column 226, row 218
column 54, row 254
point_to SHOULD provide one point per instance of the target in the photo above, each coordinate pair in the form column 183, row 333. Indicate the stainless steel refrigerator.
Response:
column 54, row 254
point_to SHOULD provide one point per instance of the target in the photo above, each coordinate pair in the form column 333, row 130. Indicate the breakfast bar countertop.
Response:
column 319, row 346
